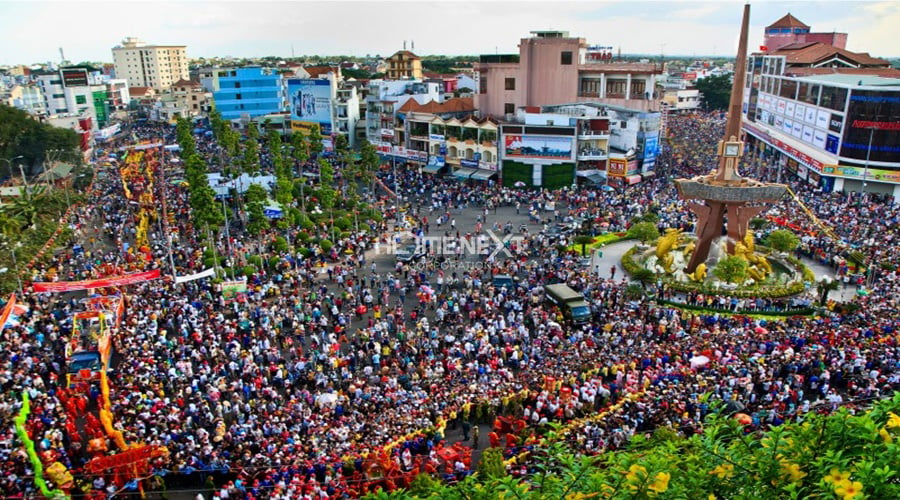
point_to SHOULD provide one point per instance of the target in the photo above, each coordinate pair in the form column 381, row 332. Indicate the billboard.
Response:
column 74, row 77
column 872, row 126
column 310, row 100
column 538, row 146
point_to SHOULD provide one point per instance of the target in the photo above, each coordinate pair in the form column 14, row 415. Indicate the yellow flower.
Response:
column 848, row 490
column 837, row 476
column 723, row 471
column 711, row 497
column 660, row 482
column 580, row 496
column 886, row 436
column 894, row 421
column 792, row 470
column 634, row 472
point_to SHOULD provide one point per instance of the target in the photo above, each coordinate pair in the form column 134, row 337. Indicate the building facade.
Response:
column 155, row 66
column 246, row 92
column 553, row 68
column 404, row 65
column 789, row 29
column 383, row 101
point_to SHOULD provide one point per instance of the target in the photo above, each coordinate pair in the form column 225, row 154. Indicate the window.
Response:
column 58, row 96
column 833, row 98
column 566, row 57
column 623, row 124
column 510, row 84
column 80, row 99
column 237, row 96
column 509, row 108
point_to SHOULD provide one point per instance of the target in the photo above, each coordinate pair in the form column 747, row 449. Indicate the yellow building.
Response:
column 155, row 66
column 404, row 65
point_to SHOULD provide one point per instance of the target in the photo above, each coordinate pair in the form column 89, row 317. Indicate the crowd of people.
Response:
column 330, row 360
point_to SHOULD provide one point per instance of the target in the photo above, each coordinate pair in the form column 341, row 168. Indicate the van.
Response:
column 572, row 303
column 503, row 281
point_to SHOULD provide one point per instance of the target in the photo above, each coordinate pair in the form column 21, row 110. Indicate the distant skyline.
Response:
column 33, row 31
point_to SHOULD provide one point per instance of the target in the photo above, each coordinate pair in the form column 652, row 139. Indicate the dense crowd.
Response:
column 331, row 358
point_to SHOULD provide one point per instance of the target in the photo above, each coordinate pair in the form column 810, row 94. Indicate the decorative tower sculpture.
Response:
column 724, row 192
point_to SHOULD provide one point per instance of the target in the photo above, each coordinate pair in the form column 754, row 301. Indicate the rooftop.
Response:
column 455, row 105
column 855, row 80
column 788, row 21
column 816, row 52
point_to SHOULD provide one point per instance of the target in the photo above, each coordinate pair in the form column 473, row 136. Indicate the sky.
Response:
column 33, row 31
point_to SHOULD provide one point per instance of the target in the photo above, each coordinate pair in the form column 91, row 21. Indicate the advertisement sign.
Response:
column 74, row 77
column 72, row 286
column 836, row 123
column 807, row 134
column 310, row 101
column 831, row 144
column 617, row 167
column 819, row 139
column 810, row 115
column 871, row 120
column 538, row 146
column 800, row 112
column 789, row 109
column 469, row 163
column 822, row 118
column 651, row 150
column 234, row 290
column 781, row 105
column 873, row 174
column 387, row 132
column 435, row 137
column 443, row 150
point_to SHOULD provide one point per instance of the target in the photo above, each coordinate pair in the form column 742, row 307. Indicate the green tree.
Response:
column 250, row 160
column 254, row 201
column 731, row 269
column 584, row 241
column 716, row 91
column 644, row 232
column 326, row 191
column 315, row 140
column 783, row 240
column 185, row 138
column 368, row 163
column 491, row 464
column 824, row 286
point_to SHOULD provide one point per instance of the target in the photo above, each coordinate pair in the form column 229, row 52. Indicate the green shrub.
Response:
column 255, row 260
column 326, row 245
column 249, row 270
column 280, row 244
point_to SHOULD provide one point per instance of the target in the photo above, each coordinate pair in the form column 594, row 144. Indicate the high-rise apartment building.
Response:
column 156, row 66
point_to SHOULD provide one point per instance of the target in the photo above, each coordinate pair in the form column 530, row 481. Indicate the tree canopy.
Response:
column 21, row 134
column 716, row 91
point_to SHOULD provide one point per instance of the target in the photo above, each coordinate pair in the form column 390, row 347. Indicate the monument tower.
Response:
column 725, row 191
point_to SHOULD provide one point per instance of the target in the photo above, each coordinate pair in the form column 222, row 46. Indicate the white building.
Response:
column 346, row 112
column 385, row 98
column 156, row 66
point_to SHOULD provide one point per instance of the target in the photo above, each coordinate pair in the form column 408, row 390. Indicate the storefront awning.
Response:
column 633, row 179
column 431, row 168
column 463, row 172
column 483, row 175
column 649, row 174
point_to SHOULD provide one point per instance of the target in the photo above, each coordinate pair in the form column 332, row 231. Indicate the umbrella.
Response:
column 519, row 184
column 760, row 330
column 606, row 187
column 698, row 361
column 743, row 418
column 554, row 324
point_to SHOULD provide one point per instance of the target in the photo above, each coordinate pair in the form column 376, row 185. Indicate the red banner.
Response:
column 71, row 286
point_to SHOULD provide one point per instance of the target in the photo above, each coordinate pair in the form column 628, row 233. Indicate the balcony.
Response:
column 591, row 154
column 589, row 134
column 595, row 95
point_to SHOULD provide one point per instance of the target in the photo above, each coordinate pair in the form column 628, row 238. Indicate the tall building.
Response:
column 554, row 68
column 251, row 91
column 155, row 66
column 825, row 114
column 789, row 29
column 404, row 65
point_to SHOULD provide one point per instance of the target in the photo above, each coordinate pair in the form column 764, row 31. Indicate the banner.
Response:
column 7, row 311
column 538, row 146
column 191, row 277
column 71, row 286
column 232, row 290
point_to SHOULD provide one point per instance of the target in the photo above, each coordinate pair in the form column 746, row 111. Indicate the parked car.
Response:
column 410, row 253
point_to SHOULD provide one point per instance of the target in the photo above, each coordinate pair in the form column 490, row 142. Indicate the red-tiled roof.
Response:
column 788, row 21
column 802, row 53
column 455, row 105
column 139, row 91
column 317, row 71
column 406, row 53
column 186, row 83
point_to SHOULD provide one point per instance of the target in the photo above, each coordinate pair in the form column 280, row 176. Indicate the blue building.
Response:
column 255, row 91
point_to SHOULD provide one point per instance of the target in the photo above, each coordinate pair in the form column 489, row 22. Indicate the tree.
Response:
column 184, row 137
column 783, row 240
column 368, row 163
column 255, row 200
column 716, row 91
column 731, row 269
column 326, row 192
column 584, row 241
column 315, row 140
column 250, row 160
column 21, row 134
column 644, row 232
column 824, row 286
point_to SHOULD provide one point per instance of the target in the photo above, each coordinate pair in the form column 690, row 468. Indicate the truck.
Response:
column 90, row 349
column 572, row 303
